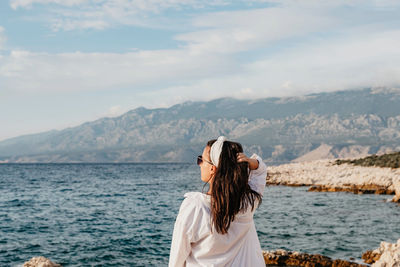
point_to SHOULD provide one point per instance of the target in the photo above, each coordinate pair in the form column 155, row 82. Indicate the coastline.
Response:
column 388, row 254
column 326, row 176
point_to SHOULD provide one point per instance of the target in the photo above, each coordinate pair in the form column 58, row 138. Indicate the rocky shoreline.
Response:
column 387, row 255
column 326, row 176
column 282, row 257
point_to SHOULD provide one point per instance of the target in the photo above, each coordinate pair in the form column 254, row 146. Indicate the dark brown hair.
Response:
column 230, row 190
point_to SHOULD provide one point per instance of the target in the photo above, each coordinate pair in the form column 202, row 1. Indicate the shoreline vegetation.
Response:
column 390, row 160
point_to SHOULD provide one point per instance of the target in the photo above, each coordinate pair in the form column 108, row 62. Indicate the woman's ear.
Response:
column 213, row 170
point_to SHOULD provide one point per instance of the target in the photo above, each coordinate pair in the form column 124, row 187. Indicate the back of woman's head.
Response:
column 230, row 191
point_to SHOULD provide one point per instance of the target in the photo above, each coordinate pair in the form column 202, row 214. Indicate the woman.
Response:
column 217, row 228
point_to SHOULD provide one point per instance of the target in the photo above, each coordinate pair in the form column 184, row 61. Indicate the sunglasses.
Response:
column 200, row 160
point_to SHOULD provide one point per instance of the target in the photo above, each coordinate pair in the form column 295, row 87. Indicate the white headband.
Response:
column 216, row 149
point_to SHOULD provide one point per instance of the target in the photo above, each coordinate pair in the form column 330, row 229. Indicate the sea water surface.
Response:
column 123, row 215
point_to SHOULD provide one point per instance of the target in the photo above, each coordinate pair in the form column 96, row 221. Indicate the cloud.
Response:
column 27, row 71
column 246, row 93
column 3, row 38
column 28, row 3
column 149, row 5
column 115, row 111
column 360, row 61
column 69, row 25
column 100, row 14
column 229, row 32
column 365, row 60
column 337, row 3
column 288, row 49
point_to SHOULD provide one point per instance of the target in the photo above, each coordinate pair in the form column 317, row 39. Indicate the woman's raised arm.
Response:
column 258, row 172
column 253, row 163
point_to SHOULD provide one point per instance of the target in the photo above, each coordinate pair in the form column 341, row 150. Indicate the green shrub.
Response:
column 391, row 160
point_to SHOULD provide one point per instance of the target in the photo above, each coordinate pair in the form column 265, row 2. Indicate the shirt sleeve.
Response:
column 257, row 177
column 182, row 235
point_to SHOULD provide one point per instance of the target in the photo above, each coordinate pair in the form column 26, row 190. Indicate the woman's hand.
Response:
column 253, row 163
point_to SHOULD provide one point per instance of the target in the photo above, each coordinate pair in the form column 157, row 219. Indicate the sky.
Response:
column 65, row 62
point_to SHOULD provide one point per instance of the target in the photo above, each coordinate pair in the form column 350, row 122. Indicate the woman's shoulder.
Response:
column 194, row 215
column 193, row 195
column 196, row 199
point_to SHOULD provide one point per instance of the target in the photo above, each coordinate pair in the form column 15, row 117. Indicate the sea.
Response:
column 124, row 214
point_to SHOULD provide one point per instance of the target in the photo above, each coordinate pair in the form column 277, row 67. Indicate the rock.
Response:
column 390, row 255
column 282, row 257
column 355, row 189
column 281, row 252
column 371, row 256
column 40, row 262
column 396, row 185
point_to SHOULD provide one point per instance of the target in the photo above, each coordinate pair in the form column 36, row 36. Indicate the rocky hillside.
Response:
column 327, row 125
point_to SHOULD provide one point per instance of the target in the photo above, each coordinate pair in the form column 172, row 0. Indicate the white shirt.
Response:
column 193, row 243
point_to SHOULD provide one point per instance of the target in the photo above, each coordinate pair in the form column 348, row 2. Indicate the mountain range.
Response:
column 345, row 124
